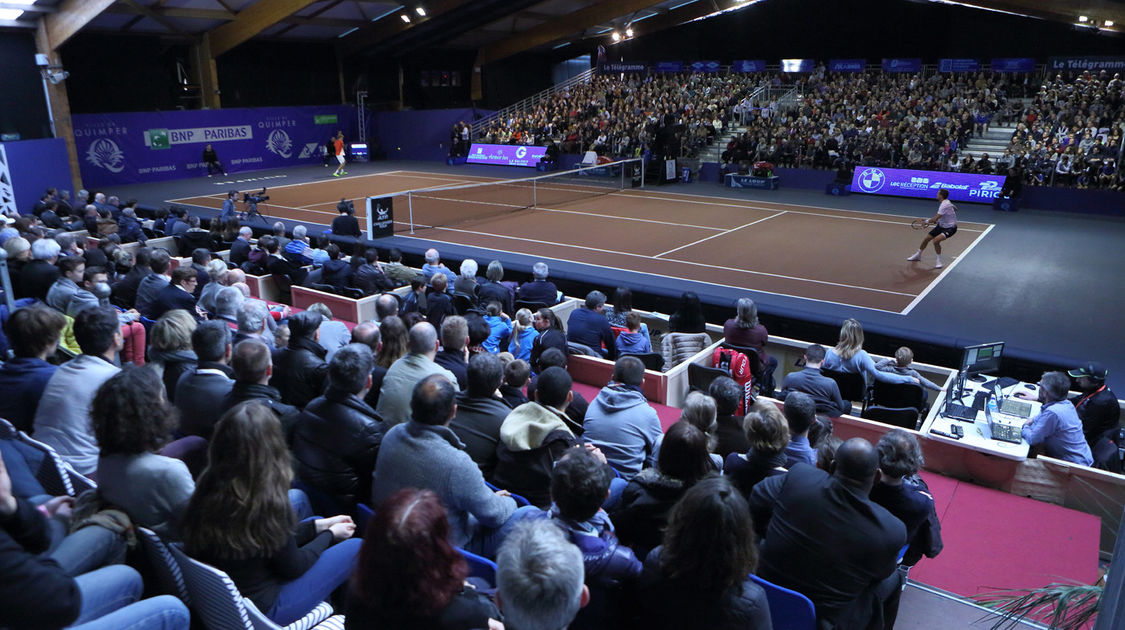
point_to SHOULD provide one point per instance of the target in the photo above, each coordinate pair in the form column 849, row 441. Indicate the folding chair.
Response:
column 363, row 516
column 163, row 565
column 53, row 474
column 853, row 385
column 463, row 303
column 531, row 306
column 905, row 417
column 789, row 610
column 899, row 395
column 220, row 606
column 699, row 377
column 520, row 501
column 653, row 360
column 479, row 567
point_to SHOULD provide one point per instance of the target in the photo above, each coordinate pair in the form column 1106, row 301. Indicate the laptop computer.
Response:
column 957, row 411
column 1003, row 431
column 1009, row 405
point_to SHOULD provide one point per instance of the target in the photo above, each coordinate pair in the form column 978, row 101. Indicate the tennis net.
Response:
column 445, row 206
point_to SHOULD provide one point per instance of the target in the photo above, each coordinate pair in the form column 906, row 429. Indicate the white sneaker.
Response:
column 937, row 265
column 915, row 257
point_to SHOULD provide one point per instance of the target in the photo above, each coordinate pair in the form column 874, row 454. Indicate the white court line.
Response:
column 944, row 272
column 719, row 234
column 585, row 214
column 804, row 212
column 656, row 275
column 683, row 262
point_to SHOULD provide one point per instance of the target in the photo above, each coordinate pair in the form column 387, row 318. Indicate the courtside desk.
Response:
column 976, row 434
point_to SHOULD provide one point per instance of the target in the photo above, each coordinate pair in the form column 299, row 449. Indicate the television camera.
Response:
column 250, row 201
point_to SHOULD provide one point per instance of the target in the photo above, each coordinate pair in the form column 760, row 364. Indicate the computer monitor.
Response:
column 982, row 358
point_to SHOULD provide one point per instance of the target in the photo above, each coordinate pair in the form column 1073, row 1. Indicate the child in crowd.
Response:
column 633, row 341
column 523, row 335
column 580, row 485
column 516, row 375
column 901, row 365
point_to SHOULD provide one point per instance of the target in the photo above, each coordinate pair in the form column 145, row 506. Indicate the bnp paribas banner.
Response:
column 132, row 147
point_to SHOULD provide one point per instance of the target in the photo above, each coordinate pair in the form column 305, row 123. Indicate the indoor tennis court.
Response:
column 832, row 255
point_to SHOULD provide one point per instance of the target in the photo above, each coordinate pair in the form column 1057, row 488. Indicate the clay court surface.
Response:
column 825, row 254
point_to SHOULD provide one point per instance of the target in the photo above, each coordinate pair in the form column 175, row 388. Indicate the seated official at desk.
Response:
column 1096, row 404
column 1057, row 430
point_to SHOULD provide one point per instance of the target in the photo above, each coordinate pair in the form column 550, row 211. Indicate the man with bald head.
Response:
column 826, row 539
column 415, row 365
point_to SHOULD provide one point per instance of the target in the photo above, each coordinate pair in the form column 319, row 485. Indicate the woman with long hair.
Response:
column 849, row 356
column 523, row 335
column 745, row 330
column 394, row 335
column 241, row 521
column 699, row 576
column 408, row 575
column 688, row 317
column 132, row 423
column 682, row 461
column 622, row 306
column 169, row 351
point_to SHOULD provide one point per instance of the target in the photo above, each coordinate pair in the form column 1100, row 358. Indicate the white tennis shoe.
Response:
column 917, row 256
column 937, row 265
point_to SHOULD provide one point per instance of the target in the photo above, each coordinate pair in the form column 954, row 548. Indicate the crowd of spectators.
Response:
column 198, row 409
column 191, row 434
column 672, row 114
column 1069, row 134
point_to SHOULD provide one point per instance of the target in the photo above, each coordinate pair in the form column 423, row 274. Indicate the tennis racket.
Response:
column 918, row 224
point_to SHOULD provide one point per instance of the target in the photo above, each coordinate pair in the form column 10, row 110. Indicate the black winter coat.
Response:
column 299, row 371
column 335, row 443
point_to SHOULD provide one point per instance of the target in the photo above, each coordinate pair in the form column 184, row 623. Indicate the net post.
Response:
column 370, row 220
column 642, row 172
column 535, row 193
column 410, row 206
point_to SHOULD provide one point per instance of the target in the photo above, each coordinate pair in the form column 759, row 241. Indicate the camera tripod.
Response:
column 250, row 210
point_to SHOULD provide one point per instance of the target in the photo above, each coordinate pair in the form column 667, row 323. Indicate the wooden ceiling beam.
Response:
column 252, row 21
column 72, row 16
column 372, row 33
column 561, row 27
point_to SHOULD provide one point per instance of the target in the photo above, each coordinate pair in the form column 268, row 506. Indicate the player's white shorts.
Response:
column 340, row 158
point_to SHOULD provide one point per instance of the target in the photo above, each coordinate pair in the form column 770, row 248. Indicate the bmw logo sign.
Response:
column 871, row 180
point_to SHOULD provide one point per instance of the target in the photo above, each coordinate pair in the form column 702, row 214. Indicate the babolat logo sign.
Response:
column 165, row 138
column 925, row 184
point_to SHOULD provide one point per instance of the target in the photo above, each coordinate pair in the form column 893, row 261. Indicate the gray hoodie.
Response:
column 623, row 425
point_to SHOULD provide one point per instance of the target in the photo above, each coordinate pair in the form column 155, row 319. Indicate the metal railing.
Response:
column 527, row 104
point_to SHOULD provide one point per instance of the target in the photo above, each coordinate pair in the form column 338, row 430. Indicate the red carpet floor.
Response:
column 994, row 540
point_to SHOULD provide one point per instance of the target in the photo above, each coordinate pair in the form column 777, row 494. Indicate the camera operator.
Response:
column 228, row 206
column 346, row 224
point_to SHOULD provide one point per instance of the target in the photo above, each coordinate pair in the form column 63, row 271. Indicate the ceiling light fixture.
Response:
column 1108, row 23
column 420, row 11
column 629, row 32
column 1083, row 19
column 405, row 18
column 616, row 36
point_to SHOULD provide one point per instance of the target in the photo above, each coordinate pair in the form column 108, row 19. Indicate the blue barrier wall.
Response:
column 419, row 134
column 1103, row 202
column 128, row 148
column 34, row 166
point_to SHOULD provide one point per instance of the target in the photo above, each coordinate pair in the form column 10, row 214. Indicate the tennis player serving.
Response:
column 945, row 225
